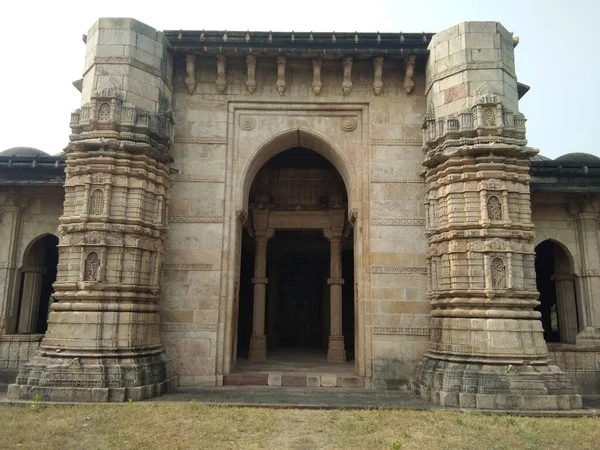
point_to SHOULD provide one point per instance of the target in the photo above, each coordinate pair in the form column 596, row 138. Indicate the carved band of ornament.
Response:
column 190, row 267
column 397, row 142
column 188, row 327
column 260, row 281
column 471, row 65
column 421, row 270
column 7, row 265
column 195, row 219
column 128, row 60
column 409, row 331
column 186, row 179
column 395, row 179
column 200, row 140
column 339, row 281
column 591, row 272
column 398, row 222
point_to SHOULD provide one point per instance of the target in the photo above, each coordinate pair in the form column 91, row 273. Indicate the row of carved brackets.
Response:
column 221, row 83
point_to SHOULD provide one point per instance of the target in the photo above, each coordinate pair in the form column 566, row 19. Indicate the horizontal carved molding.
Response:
column 397, row 142
column 409, row 331
column 471, row 65
column 189, row 179
column 128, row 60
column 398, row 221
column 396, row 179
column 195, row 219
column 200, row 140
column 188, row 327
column 190, row 267
column 591, row 272
column 7, row 265
column 421, row 270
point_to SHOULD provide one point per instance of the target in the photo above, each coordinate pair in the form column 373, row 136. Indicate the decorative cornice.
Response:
column 410, row 331
column 407, row 142
column 189, row 267
column 128, row 60
column 200, row 140
column 421, row 270
column 471, row 65
column 396, row 179
column 195, row 219
column 188, row 327
column 398, row 221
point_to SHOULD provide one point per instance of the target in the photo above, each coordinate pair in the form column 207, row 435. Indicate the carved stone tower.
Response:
column 487, row 347
column 103, row 341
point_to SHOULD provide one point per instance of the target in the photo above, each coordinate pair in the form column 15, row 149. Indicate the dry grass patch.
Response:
column 189, row 425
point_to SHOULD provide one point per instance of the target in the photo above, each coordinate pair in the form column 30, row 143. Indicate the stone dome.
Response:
column 540, row 157
column 579, row 158
column 23, row 151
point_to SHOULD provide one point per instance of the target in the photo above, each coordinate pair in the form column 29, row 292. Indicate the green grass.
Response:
column 190, row 425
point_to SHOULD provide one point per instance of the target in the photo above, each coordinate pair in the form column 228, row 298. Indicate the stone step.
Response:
column 294, row 379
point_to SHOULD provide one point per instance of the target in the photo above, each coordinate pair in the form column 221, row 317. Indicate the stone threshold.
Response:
column 294, row 379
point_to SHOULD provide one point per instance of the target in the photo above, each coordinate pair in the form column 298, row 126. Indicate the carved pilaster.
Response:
column 221, row 82
column 347, row 80
column 316, row 83
column 190, row 73
column 409, row 72
column 251, row 66
column 377, row 75
column 281, row 84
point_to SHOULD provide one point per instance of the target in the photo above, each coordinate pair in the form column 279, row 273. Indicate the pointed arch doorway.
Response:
column 295, row 307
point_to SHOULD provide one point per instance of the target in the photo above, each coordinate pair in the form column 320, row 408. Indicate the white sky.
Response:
column 558, row 56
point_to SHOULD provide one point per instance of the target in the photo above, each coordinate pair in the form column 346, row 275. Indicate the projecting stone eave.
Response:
column 328, row 45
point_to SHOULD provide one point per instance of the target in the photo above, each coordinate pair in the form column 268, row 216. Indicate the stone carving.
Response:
column 406, row 142
column 377, row 75
column 92, row 264
column 498, row 273
column 200, row 140
column 347, row 81
column 349, row 124
column 104, row 112
column 489, row 117
column 97, row 202
column 316, row 83
column 409, row 71
column 183, row 327
column 397, row 221
column 195, row 219
column 408, row 331
column 190, row 73
column 281, row 84
column 221, row 83
column 399, row 269
column 130, row 61
column 190, row 267
column 247, row 123
column 251, row 66
column 494, row 208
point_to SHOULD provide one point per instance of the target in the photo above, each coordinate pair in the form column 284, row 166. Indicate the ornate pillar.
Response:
column 103, row 338
column 566, row 304
column 11, row 209
column 336, row 352
column 258, row 340
column 30, row 301
column 586, row 222
column 486, row 348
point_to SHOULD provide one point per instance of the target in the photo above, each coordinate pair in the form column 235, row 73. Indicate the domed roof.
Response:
column 579, row 158
column 23, row 151
column 540, row 157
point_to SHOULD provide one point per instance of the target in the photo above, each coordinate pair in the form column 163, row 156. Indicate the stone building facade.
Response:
column 364, row 203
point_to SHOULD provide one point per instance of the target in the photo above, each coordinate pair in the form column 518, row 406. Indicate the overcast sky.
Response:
column 42, row 53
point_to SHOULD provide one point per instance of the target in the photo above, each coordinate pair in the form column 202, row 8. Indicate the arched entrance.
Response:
column 558, row 299
column 296, row 278
column 38, row 273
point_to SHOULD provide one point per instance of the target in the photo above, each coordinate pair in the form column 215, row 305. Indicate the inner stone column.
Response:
column 30, row 302
column 103, row 337
column 566, row 304
column 335, row 351
column 262, row 234
column 487, row 348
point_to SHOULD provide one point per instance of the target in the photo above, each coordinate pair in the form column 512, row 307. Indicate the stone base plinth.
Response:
column 93, row 379
column 336, row 352
column 499, row 387
column 258, row 348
